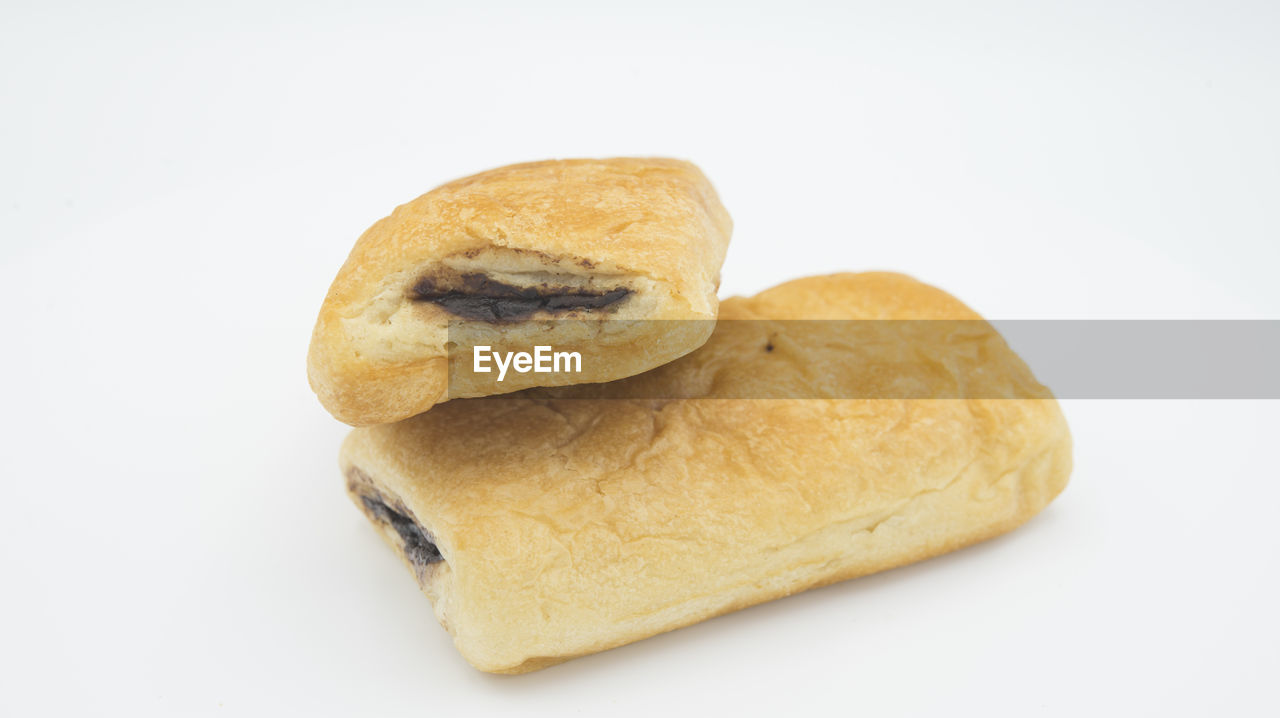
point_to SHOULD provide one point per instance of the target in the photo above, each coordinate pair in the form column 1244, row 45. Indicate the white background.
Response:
column 181, row 181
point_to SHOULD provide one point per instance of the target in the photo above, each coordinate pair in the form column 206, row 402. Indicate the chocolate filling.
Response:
column 418, row 545
column 477, row 297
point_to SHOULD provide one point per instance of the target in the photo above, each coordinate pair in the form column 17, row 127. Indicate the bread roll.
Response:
column 610, row 244
column 544, row 527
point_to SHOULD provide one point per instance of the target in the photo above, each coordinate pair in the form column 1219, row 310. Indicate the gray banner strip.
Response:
column 1150, row 359
column 944, row 359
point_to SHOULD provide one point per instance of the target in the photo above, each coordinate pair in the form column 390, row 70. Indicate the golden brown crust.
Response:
column 653, row 227
column 569, row 526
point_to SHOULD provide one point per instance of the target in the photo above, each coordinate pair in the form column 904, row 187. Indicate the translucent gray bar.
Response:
column 1151, row 359
column 897, row 359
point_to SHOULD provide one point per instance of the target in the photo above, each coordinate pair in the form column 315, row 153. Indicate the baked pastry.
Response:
column 503, row 253
column 545, row 527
